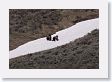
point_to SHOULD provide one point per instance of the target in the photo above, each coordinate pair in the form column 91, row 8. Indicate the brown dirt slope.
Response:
column 82, row 53
column 29, row 24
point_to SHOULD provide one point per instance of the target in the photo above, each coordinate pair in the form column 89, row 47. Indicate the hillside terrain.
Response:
column 83, row 53
column 30, row 24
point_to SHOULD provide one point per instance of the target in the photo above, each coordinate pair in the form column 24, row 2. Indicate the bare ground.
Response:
column 82, row 53
column 30, row 24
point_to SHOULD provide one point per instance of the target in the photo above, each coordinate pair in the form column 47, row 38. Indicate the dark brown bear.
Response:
column 48, row 37
column 55, row 38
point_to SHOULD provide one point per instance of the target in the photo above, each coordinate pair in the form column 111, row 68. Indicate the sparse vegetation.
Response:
column 82, row 53
column 29, row 24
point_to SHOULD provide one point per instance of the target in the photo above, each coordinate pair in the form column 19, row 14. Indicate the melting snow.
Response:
column 65, row 36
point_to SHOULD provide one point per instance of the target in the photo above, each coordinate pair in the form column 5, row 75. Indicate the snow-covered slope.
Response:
column 65, row 36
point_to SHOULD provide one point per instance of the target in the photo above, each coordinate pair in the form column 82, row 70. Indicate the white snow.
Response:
column 65, row 36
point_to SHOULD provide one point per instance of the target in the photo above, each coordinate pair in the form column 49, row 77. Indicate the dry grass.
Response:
column 82, row 53
column 26, row 25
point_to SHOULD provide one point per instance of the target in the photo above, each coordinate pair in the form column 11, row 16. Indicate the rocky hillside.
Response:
column 82, row 53
column 29, row 24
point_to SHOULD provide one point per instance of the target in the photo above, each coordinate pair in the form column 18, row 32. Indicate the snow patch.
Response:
column 65, row 36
